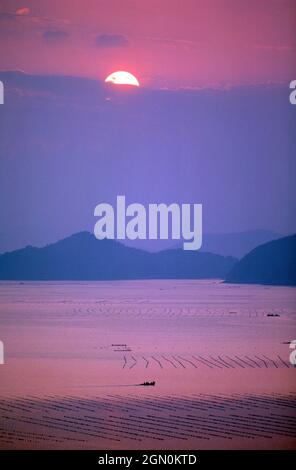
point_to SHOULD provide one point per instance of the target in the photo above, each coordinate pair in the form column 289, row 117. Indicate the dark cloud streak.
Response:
column 55, row 35
column 111, row 40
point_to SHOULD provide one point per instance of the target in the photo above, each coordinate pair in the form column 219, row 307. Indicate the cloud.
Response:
column 14, row 15
column 54, row 35
column 111, row 40
column 6, row 15
column 276, row 47
column 23, row 16
column 172, row 42
column 23, row 11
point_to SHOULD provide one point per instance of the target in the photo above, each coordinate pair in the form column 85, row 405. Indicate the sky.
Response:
column 165, row 43
column 211, row 122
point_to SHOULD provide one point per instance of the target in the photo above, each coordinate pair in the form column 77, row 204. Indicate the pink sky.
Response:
column 165, row 43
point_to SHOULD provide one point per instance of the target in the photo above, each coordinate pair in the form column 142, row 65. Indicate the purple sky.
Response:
column 68, row 144
column 211, row 122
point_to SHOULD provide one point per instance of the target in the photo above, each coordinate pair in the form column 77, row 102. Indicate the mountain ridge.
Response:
column 82, row 257
column 273, row 263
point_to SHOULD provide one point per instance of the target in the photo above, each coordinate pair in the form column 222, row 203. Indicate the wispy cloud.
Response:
column 276, row 47
column 111, row 40
column 25, row 16
column 23, row 11
column 54, row 35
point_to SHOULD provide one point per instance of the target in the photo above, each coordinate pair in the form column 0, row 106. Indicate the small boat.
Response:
column 148, row 384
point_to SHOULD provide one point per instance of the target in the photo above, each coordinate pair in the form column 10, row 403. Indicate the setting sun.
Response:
column 122, row 78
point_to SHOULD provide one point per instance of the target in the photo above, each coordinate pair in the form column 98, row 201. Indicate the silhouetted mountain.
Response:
column 83, row 257
column 272, row 263
column 236, row 244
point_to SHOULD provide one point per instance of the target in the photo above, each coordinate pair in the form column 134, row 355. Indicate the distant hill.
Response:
column 236, row 244
column 272, row 263
column 83, row 257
